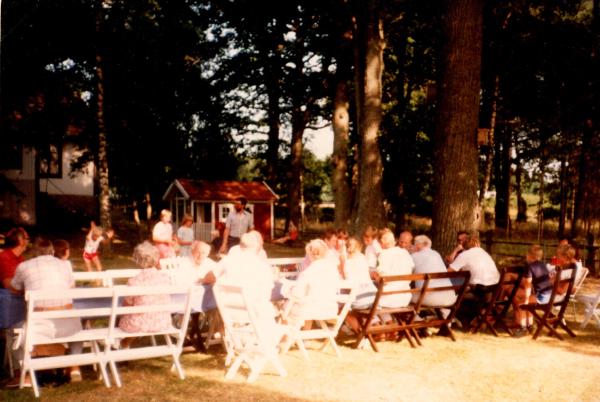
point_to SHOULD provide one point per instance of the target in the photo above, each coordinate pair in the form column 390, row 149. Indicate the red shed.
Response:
column 209, row 202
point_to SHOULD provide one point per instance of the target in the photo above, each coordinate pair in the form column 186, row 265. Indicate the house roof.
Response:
column 221, row 190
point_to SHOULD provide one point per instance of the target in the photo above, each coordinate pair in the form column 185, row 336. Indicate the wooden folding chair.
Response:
column 252, row 334
column 369, row 326
column 493, row 313
column 443, row 314
column 551, row 314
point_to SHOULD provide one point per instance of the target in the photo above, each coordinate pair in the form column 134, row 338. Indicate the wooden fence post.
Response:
column 590, row 254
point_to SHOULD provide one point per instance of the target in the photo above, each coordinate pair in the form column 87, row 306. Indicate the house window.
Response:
column 11, row 156
column 224, row 210
column 51, row 161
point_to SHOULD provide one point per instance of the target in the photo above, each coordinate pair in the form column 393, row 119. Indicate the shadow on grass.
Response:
column 151, row 380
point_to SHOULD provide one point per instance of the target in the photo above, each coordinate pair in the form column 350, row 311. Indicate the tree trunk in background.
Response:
column 580, row 190
column 341, row 131
column 540, row 211
column 299, row 121
column 273, row 86
column 502, row 175
column 358, row 53
column 563, row 198
column 105, row 206
column 273, row 92
column 370, row 193
column 455, row 205
column 489, row 158
column 340, row 122
column 521, row 203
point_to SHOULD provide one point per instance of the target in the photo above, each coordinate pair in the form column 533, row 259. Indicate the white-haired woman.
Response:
column 394, row 260
column 314, row 294
column 202, row 263
column 146, row 256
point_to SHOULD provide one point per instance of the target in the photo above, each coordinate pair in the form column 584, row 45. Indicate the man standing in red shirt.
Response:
column 16, row 241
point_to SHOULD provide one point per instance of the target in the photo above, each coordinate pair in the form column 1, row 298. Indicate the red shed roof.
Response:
column 221, row 190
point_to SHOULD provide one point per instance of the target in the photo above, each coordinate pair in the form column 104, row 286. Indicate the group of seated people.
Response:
column 334, row 257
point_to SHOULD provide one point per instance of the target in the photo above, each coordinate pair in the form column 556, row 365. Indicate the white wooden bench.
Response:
column 38, row 328
column 106, row 334
column 169, row 348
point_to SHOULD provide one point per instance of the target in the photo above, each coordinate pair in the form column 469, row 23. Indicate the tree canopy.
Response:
column 221, row 89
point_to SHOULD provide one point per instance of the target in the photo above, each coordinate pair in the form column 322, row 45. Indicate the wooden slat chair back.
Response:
column 401, row 315
column 493, row 313
column 551, row 314
column 40, row 330
column 173, row 336
column 252, row 335
column 443, row 314
column 328, row 326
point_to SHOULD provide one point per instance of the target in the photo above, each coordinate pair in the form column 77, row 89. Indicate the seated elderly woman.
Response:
column 146, row 256
column 394, row 260
column 203, row 265
column 356, row 270
column 314, row 293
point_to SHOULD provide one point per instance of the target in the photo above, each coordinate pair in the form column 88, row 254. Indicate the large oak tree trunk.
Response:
column 300, row 119
column 455, row 205
column 370, row 193
column 339, row 179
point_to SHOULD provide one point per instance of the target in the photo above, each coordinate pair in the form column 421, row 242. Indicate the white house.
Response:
column 22, row 198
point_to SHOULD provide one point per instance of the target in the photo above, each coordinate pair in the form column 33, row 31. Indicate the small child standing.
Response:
column 92, row 242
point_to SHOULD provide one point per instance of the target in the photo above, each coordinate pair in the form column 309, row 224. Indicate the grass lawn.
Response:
column 476, row 367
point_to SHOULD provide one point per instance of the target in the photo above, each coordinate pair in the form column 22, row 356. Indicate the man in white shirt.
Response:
column 238, row 222
column 246, row 267
column 477, row 261
column 46, row 272
column 483, row 275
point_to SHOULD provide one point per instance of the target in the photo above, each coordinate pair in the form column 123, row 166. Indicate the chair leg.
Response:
column 256, row 368
column 274, row 359
column 564, row 326
column 235, row 366
column 115, row 373
column 372, row 342
column 34, row 383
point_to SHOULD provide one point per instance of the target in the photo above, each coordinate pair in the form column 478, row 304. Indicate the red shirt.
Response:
column 8, row 264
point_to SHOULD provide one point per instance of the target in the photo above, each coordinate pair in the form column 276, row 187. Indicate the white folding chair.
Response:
column 169, row 348
column 591, row 309
column 252, row 335
column 579, row 278
column 329, row 325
